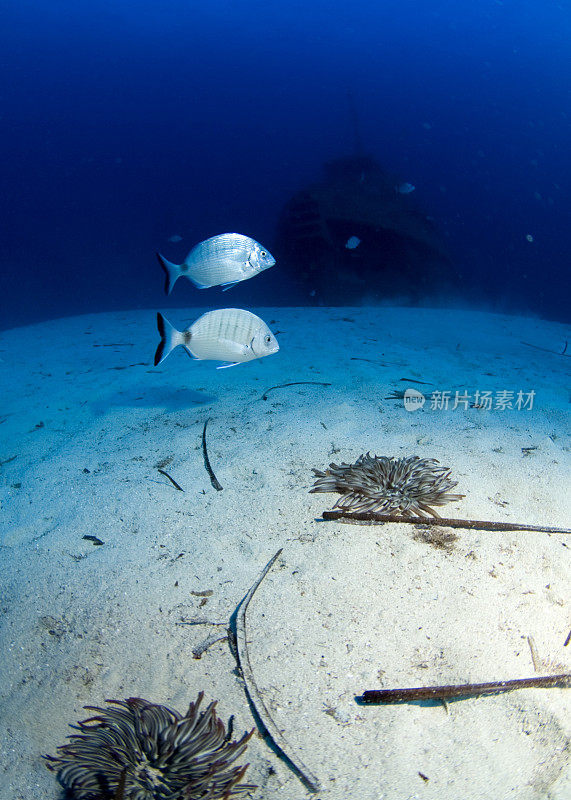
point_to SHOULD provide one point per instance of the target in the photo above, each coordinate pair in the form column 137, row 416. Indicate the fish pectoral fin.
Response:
column 239, row 351
column 197, row 283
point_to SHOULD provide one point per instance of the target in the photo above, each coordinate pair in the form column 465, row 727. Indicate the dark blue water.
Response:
column 126, row 123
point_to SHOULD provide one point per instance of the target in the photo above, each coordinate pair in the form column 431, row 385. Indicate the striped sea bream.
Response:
column 222, row 260
column 231, row 335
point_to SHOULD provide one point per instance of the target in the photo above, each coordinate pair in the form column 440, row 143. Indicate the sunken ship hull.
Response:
column 400, row 253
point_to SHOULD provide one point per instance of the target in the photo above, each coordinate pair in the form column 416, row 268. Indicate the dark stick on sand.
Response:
column 546, row 350
column 213, row 479
column 474, row 524
column 295, row 383
column 463, row 690
column 171, row 479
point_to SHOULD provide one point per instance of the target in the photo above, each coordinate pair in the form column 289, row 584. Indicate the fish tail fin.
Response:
column 172, row 272
column 170, row 338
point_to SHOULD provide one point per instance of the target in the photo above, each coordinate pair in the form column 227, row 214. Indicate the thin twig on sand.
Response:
column 563, row 352
column 213, row 479
column 295, row 383
column 171, row 479
column 253, row 693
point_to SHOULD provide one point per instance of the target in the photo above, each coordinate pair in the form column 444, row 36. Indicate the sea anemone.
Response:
column 406, row 487
column 137, row 750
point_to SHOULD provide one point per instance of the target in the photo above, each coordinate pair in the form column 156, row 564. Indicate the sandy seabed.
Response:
column 86, row 423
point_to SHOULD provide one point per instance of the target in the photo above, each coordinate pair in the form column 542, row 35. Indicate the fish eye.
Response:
column 267, row 338
column 263, row 253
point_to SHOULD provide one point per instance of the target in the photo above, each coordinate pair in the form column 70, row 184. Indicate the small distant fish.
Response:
column 405, row 188
column 231, row 335
column 175, row 238
column 352, row 242
column 222, row 260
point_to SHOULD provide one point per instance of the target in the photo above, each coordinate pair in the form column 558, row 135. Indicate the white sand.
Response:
column 85, row 422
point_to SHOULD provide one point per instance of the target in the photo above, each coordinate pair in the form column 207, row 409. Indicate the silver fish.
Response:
column 222, row 260
column 227, row 334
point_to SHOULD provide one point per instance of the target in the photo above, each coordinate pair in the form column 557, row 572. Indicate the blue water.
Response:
column 126, row 123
